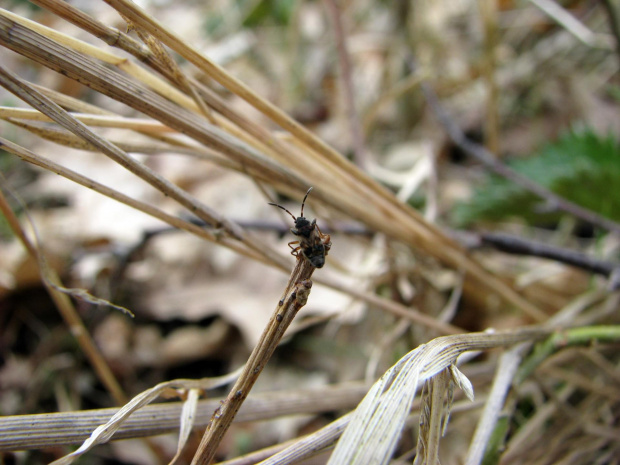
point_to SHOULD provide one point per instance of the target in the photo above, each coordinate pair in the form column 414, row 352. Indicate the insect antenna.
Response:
column 280, row 206
column 304, row 202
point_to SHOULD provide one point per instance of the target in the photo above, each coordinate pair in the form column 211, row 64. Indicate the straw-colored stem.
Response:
column 285, row 311
column 438, row 391
column 23, row 432
column 103, row 121
column 488, row 9
column 347, row 84
column 173, row 221
column 45, row 105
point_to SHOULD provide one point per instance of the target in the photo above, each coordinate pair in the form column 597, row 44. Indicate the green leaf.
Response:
column 581, row 166
column 270, row 11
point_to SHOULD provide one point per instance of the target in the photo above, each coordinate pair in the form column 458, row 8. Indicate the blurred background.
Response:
column 536, row 83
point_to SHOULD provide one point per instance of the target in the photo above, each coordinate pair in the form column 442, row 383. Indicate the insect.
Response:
column 313, row 244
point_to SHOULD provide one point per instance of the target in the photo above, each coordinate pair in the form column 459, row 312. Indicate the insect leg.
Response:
column 294, row 250
column 318, row 229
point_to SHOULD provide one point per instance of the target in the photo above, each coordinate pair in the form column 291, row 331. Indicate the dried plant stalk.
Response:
column 31, row 157
column 293, row 299
column 23, row 432
column 338, row 183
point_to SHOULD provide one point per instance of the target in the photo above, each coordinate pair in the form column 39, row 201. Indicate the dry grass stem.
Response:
column 293, row 299
column 340, row 183
column 573, row 25
column 346, row 79
column 103, row 121
column 40, row 431
column 103, row 433
column 313, row 444
column 506, row 369
column 30, row 157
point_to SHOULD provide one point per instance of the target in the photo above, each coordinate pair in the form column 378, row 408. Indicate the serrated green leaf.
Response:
column 581, row 166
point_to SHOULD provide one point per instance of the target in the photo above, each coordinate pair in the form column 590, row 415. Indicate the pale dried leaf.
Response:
column 462, row 381
column 377, row 423
column 188, row 415
column 105, row 432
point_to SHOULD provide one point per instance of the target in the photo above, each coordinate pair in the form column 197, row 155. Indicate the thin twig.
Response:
column 284, row 313
column 613, row 16
column 355, row 126
column 490, row 162
column 516, row 245
column 569, row 23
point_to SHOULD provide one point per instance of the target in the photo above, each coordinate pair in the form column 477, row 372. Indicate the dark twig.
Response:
column 518, row 246
column 613, row 15
column 485, row 157
column 340, row 227
column 355, row 125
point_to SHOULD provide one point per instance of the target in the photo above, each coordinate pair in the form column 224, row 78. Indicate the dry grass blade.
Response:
column 338, row 183
column 573, row 25
column 311, row 445
column 63, row 137
column 507, row 367
column 104, row 433
column 377, row 422
column 91, row 120
column 188, row 417
column 40, row 431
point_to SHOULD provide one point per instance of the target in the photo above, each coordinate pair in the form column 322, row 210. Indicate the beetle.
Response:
column 313, row 244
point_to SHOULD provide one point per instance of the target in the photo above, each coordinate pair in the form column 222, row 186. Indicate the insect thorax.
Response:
column 303, row 227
